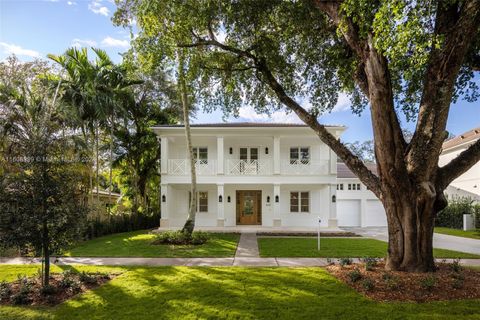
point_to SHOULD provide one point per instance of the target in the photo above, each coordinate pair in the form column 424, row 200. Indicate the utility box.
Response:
column 468, row 222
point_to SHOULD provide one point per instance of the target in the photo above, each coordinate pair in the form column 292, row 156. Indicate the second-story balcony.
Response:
column 181, row 167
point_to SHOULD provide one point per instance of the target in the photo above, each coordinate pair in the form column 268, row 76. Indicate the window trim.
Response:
column 299, row 159
column 198, row 201
column 299, row 204
column 196, row 151
column 340, row 186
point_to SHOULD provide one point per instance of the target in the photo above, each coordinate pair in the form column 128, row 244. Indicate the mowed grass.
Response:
column 228, row 293
column 473, row 234
column 336, row 248
column 139, row 244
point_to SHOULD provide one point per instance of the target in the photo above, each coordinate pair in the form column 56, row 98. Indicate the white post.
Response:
column 164, row 199
column 318, row 237
column 220, row 156
column 277, row 221
column 332, row 217
column 164, row 155
column 221, row 205
column 276, row 155
column 333, row 162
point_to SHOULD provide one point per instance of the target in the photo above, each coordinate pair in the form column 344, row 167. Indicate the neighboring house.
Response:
column 273, row 175
column 470, row 180
column 100, row 204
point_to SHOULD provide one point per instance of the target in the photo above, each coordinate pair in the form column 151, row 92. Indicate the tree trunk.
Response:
column 111, row 164
column 46, row 254
column 97, row 163
column 190, row 223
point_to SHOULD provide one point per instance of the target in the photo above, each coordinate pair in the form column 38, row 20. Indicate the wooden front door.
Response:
column 249, row 207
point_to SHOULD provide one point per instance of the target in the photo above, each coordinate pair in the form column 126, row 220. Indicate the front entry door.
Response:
column 249, row 207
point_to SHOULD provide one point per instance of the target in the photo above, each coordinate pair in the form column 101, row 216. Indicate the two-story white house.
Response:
column 264, row 174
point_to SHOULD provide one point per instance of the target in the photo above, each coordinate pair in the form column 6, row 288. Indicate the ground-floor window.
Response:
column 299, row 201
column 202, row 200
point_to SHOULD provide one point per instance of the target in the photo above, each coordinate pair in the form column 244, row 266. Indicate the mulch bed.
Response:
column 59, row 291
column 447, row 283
column 308, row 234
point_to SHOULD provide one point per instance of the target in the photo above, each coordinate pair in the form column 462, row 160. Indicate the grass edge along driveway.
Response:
column 150, row 293
column 471, row 234
column 138, row 244
column 336, row 248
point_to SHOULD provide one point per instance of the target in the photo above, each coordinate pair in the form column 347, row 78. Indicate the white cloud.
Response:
column 9, row 48
column 71, row 3
column 112, row 42
column 343, row 103
column 96, row 7
column 83, row 43
column 248, row 113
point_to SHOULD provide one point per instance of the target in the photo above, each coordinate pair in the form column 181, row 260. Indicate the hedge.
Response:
column 122, row 222
column 452, row 215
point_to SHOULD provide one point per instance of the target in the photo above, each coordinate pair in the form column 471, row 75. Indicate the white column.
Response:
column 333, row 162
column 164, row 200
column 332, row 217
column 221, row 206
column 277, row 219
column 164, row 155
column 276, row 155
column 220, row 156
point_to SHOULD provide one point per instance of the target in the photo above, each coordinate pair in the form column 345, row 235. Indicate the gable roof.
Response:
column 343, row 172
column 468, row 136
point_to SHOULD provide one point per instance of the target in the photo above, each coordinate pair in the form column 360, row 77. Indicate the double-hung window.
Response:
column 354, row 186
column 299, row 155
column 299, row 201
column 340, row 186
column 200, row 154
column 202, row 200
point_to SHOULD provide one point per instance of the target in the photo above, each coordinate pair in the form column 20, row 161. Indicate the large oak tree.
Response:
column 400, row 56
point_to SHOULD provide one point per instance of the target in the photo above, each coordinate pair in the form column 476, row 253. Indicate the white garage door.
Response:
column 348, row 213
column 375, row 215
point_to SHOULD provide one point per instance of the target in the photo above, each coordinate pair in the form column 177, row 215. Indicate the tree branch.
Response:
column 458, row 25
column 459, row 165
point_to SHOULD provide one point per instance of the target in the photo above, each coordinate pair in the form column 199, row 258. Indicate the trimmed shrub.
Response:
column 179, row 238
column 367, row 284
column 428, row 283
column 5, row 291
column 354, row 275
column 452, row 215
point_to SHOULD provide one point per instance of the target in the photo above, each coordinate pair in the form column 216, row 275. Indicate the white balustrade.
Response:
column 181, row 167
column 304, row 167
column 249, row 167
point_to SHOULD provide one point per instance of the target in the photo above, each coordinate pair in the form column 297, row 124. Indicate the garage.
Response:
column 375, row 214
column 348, row 213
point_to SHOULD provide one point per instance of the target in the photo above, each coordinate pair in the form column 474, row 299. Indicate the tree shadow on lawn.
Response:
column 226, row 292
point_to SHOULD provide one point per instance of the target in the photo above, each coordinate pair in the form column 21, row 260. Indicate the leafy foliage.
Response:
column 452, row 215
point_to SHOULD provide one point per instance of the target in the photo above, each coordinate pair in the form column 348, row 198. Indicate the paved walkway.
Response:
column 442, row 241
column 247, row 255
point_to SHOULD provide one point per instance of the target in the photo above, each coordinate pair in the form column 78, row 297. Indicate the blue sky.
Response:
column 33, row 28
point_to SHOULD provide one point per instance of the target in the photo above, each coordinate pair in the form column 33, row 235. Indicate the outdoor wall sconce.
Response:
column 228, row 199
column 277, row 198
column 220, row 198
column 164, row 199
column 231, row 150
column 268, row 199
column 334, row 198
column 266, row 150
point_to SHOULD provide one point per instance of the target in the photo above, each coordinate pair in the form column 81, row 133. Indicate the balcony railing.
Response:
column 181, row 167
column 248, row 167
column 304, row 167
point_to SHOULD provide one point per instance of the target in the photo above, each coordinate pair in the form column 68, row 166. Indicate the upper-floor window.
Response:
column 202, row 200
column 340, row 186
column 354, row 186
column 200, row 154
column 299, row 155
column 299, row 201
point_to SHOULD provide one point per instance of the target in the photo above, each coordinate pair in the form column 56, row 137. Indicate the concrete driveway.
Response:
column 442, row 241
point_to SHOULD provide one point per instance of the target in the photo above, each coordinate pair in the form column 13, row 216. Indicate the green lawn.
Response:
column 474, row 234
column 138, row 244
column 229, row 293
column 335, row 248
